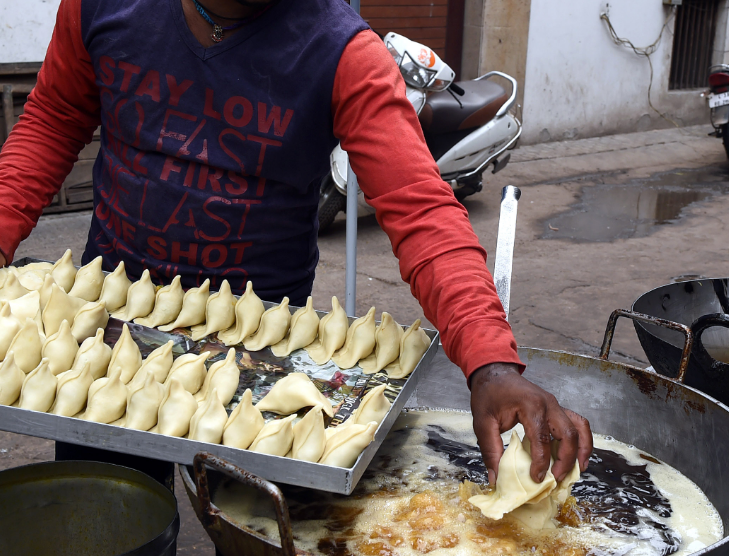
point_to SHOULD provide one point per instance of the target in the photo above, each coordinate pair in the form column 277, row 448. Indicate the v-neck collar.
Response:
column 247, row 31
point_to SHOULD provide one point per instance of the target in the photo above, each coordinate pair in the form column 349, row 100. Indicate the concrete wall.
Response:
column 25, row 29
column 579, row 83
column 504, row 26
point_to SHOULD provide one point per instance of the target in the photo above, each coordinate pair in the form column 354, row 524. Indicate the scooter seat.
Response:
column 481, row 100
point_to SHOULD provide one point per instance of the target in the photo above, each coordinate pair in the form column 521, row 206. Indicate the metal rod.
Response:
column 350, row 279
column 505, row 244
column 350, row 296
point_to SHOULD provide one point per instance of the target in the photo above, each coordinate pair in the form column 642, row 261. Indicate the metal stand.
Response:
column 350, row 298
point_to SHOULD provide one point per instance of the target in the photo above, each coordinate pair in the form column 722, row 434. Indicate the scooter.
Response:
column 719, row 102
column 467, row 125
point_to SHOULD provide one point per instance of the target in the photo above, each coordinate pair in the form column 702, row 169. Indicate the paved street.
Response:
column 601, row 221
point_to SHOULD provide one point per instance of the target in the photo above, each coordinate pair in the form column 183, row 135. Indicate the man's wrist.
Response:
column 492, row 371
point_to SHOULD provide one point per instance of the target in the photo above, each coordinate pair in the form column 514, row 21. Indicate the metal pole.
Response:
column 350, row 299
column 350, row 295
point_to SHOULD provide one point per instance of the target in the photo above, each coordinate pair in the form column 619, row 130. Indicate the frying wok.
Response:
column 657, row 414
column 700, row 306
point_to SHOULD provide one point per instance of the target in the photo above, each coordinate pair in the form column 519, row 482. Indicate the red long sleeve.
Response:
column 60, row 117
column 439, row 253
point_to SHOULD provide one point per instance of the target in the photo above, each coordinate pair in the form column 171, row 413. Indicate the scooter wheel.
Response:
column 725, row 138
column 331, row 201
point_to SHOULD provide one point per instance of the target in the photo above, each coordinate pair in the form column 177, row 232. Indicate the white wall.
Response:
column 579, row 83
column 26, row 27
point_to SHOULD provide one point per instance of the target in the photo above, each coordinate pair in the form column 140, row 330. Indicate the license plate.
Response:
column 721, row 99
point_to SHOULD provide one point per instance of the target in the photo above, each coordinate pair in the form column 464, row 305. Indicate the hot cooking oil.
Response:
column 413, row 500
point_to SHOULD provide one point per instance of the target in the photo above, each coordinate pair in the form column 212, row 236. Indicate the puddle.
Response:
column 606, row 212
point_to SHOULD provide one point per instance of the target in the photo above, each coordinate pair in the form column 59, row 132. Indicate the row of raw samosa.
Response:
column 180, row 397
column 83, row 297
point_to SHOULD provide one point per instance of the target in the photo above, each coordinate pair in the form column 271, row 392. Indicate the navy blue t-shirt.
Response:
column 211, row 158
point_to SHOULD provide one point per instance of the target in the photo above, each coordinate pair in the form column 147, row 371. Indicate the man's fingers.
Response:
column 584, row 450
column 537, row 431
column 563, row 429
column 492, row 447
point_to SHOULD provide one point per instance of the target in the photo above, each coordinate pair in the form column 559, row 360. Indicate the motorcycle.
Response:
column 468, row 125
column 719, row 102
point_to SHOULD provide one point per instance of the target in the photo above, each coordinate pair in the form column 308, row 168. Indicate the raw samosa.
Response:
column 107, row 399
column 9, row 328
column 39, row 389
column 346, row 444
column 223, row 376
column 413, row 345
column 126, row 355
column 159, row 362
column 291, row 393
column 176, row 409
column 30, row 280
column 276, row 437
column 89, row 319
column 514, row 486
column 332, row 334
column 60, row 349
column 27, row 345
column 140, row 299
column 27, row 307
column 304, row 328
column 248, row 312
column 60, row 307
column 190, row 371
column 193, row 308
column 89, row 280
column 94, row 352
column 143, row 404
column 72, row 391
column 45, row 291
column 167, row 305
column 309, row 437
column 359, row 343
column 373, row 407
column 273, row 327
column 219, row 313
column 209, row 420
column 12, row 289
column 244, row 423
column 11, row 380
column 387, row 345
column 115, row 288
column 64, row 272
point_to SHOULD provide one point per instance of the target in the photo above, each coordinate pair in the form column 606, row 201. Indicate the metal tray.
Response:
column 182, row 450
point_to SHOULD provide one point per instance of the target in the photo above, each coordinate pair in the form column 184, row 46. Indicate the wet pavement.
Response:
column 654, row 208
column 613, row 210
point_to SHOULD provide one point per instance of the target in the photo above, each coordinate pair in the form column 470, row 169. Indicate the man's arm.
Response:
column 441, row 258
column 60, row 117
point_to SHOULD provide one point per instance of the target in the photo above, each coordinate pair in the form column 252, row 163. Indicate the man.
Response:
column 217, row 122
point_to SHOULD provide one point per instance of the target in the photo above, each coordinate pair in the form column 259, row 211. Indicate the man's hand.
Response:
column 501, row 398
